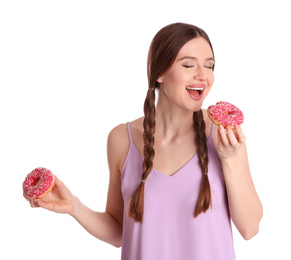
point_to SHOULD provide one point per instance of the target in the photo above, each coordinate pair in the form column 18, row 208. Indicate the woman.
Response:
column 175, row 201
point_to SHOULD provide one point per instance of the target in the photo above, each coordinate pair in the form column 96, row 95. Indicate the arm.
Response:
column 106, row 226
column 244, row 204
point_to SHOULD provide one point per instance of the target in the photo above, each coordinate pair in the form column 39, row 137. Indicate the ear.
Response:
column 160, row 79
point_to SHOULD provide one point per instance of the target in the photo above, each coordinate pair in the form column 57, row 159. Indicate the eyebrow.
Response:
column 194, row 58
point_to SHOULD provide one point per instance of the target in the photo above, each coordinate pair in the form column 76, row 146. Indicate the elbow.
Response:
column 250, row 231
column 253, row 229
column 249, row 234
column 117, row 244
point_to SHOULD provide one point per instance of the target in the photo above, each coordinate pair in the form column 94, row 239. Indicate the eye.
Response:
column 188, row 66
column 209, row 67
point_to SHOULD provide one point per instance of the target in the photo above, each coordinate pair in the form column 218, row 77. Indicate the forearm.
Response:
column 101, row 225
column 244, row 204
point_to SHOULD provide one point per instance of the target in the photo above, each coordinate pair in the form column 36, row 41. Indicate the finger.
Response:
column 45, row 205
column 240, row 135
column 58, row 182
column 33, row 203
column 231, row 136
column 223, row 135
column 25, row 196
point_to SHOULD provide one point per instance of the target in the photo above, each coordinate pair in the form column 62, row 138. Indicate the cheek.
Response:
column 174, row 77
column 172, row 82
column 210, row 83
column 210, row 80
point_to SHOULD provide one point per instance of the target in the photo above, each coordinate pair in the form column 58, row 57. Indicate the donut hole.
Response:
column 36, row 181
column 230, row 113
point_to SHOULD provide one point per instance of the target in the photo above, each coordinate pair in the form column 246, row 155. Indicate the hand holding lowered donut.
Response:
column 59, row 199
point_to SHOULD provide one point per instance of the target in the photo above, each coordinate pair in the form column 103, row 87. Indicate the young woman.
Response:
column 176, row 180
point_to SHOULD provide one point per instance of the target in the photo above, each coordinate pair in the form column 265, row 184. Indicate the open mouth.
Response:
column 195, row 92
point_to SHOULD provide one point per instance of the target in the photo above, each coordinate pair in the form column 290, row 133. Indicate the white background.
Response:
column 72, row 70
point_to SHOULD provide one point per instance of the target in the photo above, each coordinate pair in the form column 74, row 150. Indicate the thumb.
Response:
column 59, row 183
column 57, row 180
column 62, row 189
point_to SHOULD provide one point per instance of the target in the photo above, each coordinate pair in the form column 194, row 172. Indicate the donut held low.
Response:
column 225, row 114
column 38, row 183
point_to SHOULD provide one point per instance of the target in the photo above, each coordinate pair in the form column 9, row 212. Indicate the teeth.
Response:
column 194, row 88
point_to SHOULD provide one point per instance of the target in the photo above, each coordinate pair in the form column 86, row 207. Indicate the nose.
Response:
column 200, row 74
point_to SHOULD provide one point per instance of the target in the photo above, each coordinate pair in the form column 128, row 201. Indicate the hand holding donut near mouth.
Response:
column 228, row 118
column 225, row 114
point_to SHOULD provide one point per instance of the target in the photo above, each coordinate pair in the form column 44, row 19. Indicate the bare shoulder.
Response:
column 117, row 146
column 206, row 117
column 118, row 142
column 208, row 123
column 118, row 134
column 136, row 128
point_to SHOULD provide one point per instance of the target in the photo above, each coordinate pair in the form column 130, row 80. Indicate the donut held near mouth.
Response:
column 224, row 113
column 38, row 183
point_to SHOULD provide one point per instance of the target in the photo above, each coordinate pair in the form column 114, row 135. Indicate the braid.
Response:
column 136, row 207
column 204, row 198
column 149, row 126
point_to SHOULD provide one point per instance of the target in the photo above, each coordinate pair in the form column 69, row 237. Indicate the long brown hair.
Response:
column 163, row 51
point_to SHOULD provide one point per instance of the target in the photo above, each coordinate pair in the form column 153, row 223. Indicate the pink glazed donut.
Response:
column 38, row 183
column 224, row 113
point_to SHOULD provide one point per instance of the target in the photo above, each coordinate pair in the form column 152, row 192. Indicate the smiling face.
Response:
column 188, row 81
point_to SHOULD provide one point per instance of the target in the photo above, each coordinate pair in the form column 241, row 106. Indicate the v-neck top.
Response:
column 169, row 230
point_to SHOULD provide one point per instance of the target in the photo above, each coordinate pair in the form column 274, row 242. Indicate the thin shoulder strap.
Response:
column 211, row 131
column 129, row 132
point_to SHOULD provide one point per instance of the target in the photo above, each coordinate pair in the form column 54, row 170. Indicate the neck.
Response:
column 171, row 122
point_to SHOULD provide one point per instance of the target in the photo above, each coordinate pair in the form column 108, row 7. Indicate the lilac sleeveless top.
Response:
column 169, row 230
